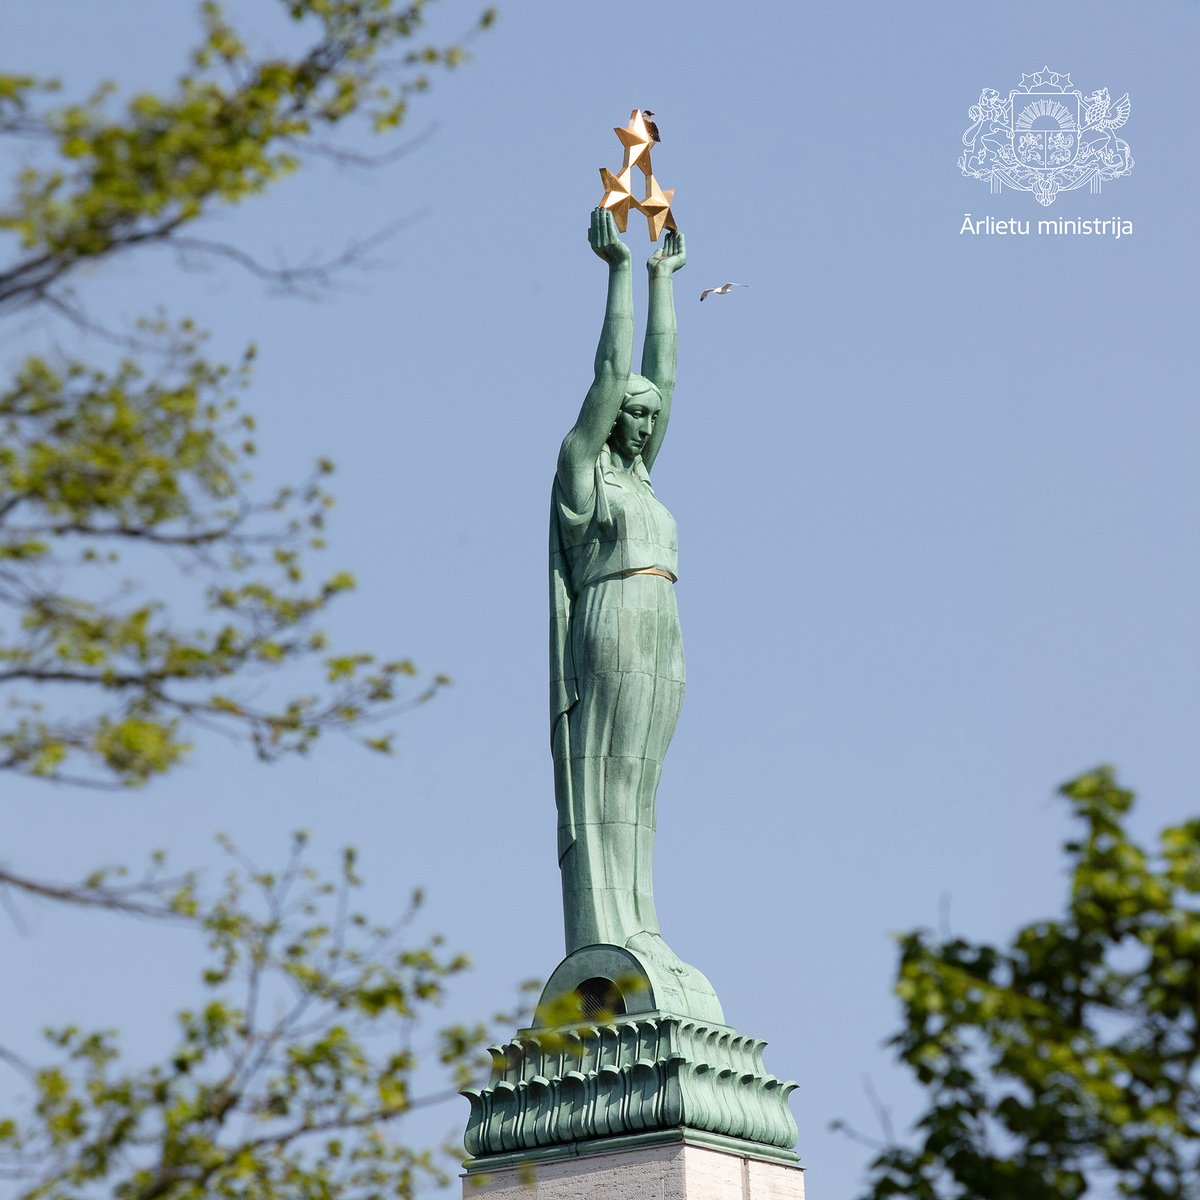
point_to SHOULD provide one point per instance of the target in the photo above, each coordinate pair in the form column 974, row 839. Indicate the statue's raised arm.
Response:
column 620, row 410
column 661, row 349
column 614, row 355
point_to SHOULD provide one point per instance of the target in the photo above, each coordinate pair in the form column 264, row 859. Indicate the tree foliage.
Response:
column 149, row 590
column 287, row 1079
column 1065, row 1063
column 136, row 462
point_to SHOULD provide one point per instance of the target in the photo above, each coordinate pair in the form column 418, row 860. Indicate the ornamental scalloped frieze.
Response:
column 555, row 1087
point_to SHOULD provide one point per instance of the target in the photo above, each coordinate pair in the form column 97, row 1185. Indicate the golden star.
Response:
column 637, row 147
column 656, row 205
column 617, row 196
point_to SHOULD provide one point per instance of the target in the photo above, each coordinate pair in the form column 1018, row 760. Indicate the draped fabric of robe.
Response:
column 616, row 687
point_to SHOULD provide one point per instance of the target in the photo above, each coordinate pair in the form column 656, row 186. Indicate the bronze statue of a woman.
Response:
column 616, row 656
column 629, row 1049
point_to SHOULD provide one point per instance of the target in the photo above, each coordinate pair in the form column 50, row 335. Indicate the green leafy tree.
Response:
column 311, row 1039
column 289, row 1079
column 1064, row 1064
column 146, row 449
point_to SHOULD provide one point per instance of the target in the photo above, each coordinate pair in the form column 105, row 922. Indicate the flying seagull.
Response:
column 723, row 290
column 651, row 128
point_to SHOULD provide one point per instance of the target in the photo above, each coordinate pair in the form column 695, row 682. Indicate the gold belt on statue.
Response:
column 646, row 571
column 632, row 571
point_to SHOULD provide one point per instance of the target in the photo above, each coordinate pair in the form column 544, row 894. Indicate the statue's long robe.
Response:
column 616, row 688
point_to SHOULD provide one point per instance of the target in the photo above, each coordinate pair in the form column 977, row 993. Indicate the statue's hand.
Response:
column 602, row 237
column 669, row 257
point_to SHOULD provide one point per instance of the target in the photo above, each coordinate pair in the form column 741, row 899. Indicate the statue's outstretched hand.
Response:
column 602, row 237
column 669, row 257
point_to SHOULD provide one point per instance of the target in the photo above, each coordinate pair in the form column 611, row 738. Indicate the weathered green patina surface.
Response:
column 620, row 1078
column 629, row 1043
column 617, row 670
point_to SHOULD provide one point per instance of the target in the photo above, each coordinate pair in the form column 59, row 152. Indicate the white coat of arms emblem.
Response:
column 1046, row 137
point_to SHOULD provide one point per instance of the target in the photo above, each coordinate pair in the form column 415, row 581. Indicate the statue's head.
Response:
column 635, row 422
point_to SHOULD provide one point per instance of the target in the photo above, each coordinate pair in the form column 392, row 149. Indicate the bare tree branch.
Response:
column 293, row 279
column 351, row 158
column 145, row 898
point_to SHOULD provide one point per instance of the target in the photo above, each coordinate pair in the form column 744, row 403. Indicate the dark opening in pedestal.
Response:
column 600, row 998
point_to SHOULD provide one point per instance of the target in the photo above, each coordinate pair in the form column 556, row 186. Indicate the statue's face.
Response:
column 635, row 423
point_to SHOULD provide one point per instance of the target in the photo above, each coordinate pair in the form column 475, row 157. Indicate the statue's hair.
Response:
column 639, row 384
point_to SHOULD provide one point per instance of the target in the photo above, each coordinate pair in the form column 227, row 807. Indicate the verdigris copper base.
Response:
column 635, row 1075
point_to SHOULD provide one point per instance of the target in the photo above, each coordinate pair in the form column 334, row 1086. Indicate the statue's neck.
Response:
column 621, row 461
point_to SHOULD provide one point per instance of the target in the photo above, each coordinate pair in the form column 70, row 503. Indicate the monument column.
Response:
column 629, row 1083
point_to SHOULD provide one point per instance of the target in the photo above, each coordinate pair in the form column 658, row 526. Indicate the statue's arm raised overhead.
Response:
column 614, row 354
column 610, row 387
column 660, row 352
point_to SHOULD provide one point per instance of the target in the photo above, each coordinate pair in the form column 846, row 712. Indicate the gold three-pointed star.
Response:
column 618, row 196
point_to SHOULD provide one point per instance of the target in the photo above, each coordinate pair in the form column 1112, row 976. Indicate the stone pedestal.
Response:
column 678, row 1168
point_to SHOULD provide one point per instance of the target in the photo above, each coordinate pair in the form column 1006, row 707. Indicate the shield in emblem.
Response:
column 1045, row 128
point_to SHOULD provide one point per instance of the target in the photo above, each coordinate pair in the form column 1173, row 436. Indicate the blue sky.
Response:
column 936, row 495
